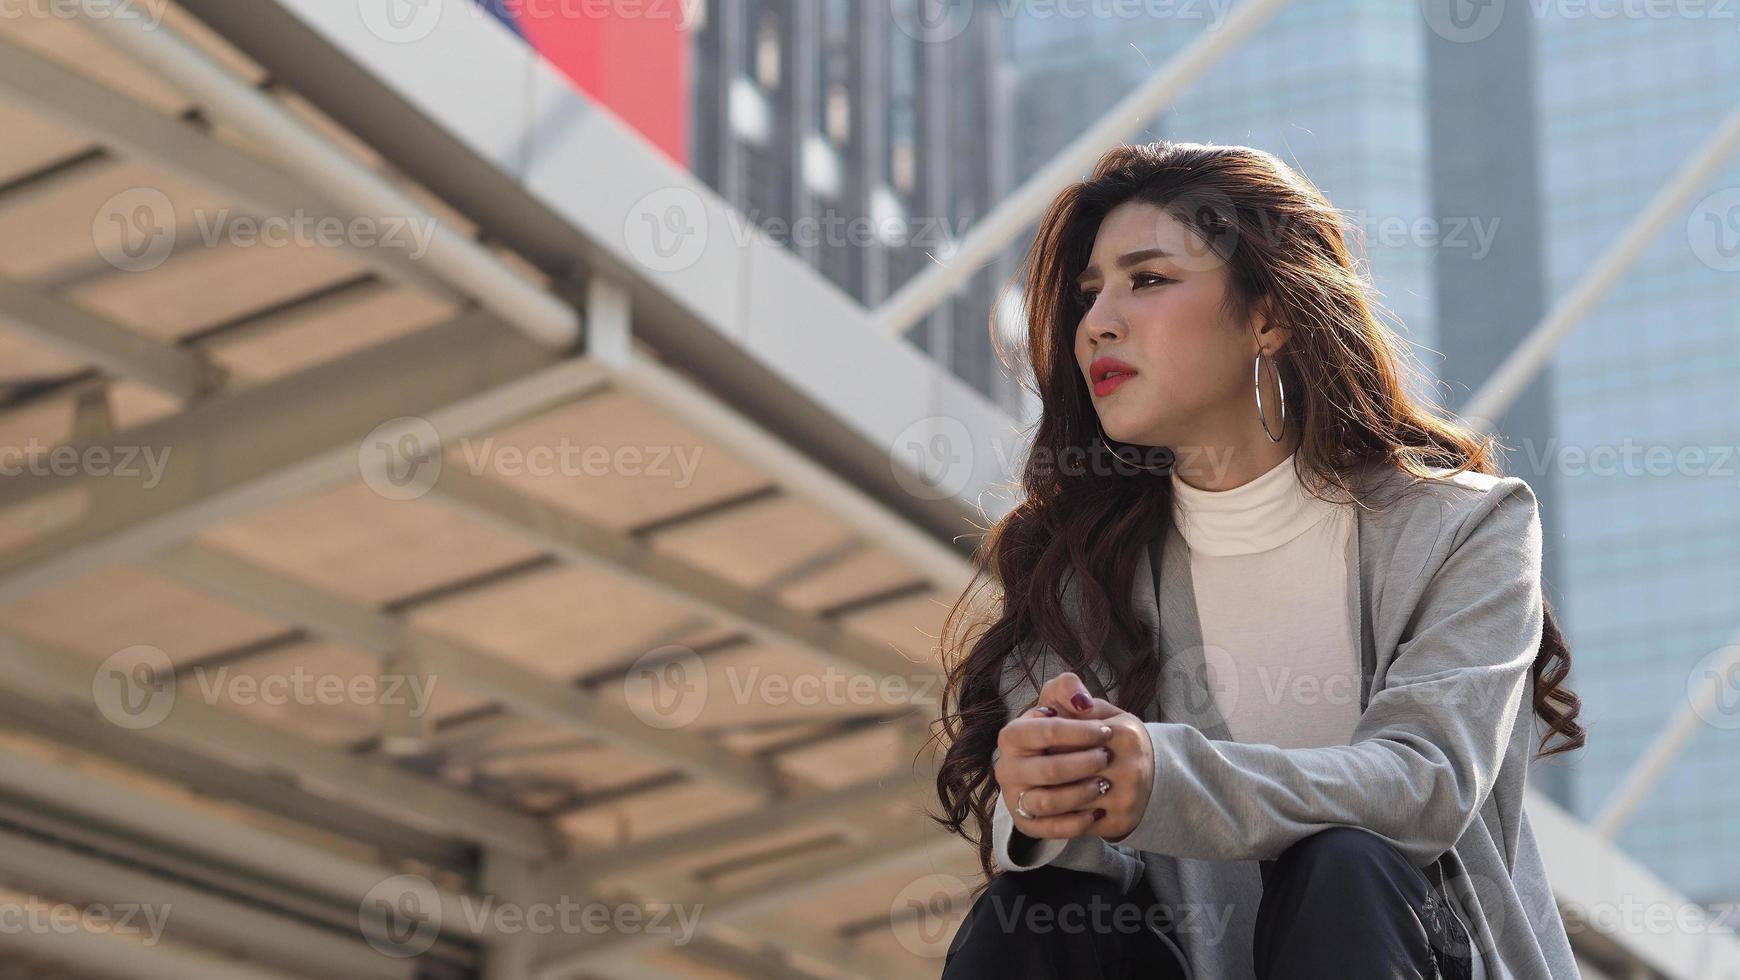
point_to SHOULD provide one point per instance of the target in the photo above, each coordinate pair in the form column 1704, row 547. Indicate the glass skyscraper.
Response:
column 1652, row 557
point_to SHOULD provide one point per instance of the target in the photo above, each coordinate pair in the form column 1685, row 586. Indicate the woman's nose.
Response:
column 1102, row 324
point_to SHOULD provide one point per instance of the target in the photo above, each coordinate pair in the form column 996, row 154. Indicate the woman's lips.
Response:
column 1106, row 386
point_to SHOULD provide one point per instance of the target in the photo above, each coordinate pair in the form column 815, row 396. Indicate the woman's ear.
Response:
column 1272, row 335
column 1282, row 335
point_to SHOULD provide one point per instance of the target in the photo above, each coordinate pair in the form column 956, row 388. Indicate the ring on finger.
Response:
column 1019, row 810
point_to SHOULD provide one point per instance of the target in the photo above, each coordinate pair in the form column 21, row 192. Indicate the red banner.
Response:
column 630, row 56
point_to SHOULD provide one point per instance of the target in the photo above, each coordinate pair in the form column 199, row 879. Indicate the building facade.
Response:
column 867, row 137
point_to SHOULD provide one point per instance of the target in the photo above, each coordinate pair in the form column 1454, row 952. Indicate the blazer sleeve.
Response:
column 1426, row 751
column 1015, row 851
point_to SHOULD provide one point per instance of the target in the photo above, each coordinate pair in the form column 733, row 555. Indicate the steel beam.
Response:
column 247, row 585
column 64, row 678
column 51, row 322
column 824, row 872
column 451, row 255
column 269, row 442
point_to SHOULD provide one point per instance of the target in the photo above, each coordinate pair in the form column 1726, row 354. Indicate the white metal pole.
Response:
column 997, row 229
column 1668, row 744
column 1513, row 377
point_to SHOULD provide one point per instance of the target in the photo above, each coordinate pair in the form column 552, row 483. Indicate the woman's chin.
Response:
column 1130, row 434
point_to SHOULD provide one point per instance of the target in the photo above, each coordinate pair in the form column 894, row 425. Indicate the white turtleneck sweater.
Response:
column 1268, row 564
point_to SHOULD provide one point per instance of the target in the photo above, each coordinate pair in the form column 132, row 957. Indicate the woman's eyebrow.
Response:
column 1125, row 261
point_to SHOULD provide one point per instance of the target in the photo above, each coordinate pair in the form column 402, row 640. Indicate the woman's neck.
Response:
column 1216, row 467
column 1257, row 515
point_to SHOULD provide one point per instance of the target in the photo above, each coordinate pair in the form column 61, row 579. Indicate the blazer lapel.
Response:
column 1186, row 679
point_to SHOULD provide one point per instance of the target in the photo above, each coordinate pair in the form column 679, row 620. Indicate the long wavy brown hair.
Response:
column 1345, row 375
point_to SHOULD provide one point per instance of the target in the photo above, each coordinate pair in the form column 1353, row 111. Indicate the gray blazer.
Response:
column 1445, row 576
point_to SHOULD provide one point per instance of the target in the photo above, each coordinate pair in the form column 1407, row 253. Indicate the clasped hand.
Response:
column 1079, row 764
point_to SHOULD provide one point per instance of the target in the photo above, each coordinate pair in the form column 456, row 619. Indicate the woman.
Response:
column 1271, row 633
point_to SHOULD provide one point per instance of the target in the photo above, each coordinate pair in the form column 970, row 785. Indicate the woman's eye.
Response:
column 1084, row 298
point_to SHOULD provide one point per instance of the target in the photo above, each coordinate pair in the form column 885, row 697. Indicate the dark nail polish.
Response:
column 1099, row 814
column 1081, row 701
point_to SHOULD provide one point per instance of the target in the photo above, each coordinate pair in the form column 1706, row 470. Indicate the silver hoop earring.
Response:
column 1257, row 383
column 1120, row 458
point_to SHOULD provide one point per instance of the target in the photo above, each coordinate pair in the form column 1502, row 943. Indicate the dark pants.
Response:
column 1342, row 903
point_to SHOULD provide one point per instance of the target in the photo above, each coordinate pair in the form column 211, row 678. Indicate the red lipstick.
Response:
column 1107, row 373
